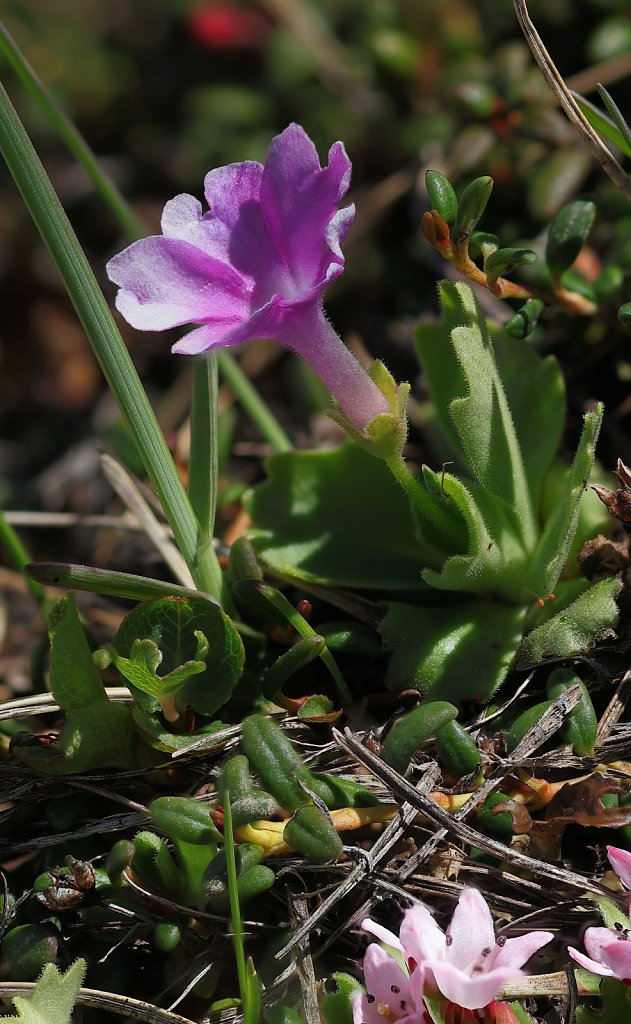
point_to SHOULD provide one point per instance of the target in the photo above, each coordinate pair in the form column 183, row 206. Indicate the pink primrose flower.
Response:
column 609, row 953
column 620, row 861
column 256, row 265
column 465, row 964
column 609, row 949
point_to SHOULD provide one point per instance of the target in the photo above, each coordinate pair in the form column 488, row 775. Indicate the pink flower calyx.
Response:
column 386, row 434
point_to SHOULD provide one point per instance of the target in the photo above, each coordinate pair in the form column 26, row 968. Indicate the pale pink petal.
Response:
column 590, row 965
column 181, row 217
column 596, row 940
column 515, row 952
column 363, row 1011
column 471, row 929
column 422, row 938
column 385, row 982
column 617, row 957
column 165, row 282
column 228, row 189
column 620, row 861
column 381, row 933
column 471, row 992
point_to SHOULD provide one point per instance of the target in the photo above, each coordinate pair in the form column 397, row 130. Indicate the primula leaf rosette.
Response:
column 255, row 265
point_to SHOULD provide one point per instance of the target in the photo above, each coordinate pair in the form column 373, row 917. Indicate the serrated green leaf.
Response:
column 535, row 391
column 534, row 388
column 74, row 679
column 554, row 546
column 575, row 629
column 336, row 517
column 181, row 630
column 451, row 653
column 53, row 998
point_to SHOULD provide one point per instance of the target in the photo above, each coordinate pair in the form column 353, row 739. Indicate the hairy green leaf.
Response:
column 53, row 998
column 458, row 358
column 575, row 629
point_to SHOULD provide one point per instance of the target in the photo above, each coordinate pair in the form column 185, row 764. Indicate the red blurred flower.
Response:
column 224, row 26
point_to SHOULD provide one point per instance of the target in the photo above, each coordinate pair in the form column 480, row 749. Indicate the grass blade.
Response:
column 131, row 225
column 20, row 557
column 107, row 344
column 203, row 465
column 106, row 581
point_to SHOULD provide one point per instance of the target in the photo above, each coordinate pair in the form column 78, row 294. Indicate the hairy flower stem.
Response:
column 344, row 376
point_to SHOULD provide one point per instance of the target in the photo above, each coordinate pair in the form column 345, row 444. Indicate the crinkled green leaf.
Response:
column 575, row 629
column 533, row 386
column 53, row 998
column 459, row 361
column 553, row 548
column 74, row 679
column 140, row 669
column 336, row 517
column 461, row 652
column 184, row 631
